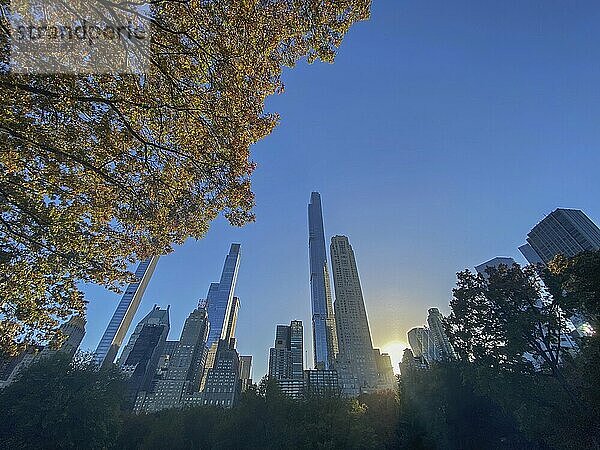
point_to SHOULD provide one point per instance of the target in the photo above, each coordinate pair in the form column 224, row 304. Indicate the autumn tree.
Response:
column 100, row 170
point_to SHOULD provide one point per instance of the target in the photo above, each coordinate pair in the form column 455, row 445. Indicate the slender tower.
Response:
column 356, row 347
column 121, row 320
column 220, row 298
column 323, row 321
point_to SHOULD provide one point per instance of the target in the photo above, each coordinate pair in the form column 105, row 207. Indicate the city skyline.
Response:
column 404, row 148
column 394, row 348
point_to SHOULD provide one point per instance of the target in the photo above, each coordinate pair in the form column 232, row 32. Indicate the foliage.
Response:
column 452, row 405
column 499, row 318
column 266, row 419
column 507, row 320
column 57, row 403
column 443, row 409
column 99, row 170
column 576, row 283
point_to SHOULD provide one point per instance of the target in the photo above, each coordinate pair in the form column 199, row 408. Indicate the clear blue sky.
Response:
column 443, row 132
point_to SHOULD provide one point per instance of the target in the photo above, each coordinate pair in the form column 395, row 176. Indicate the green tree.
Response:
column 499, row 319
column 575, row 282
column 58, row 403
column 443, row 408
column 97, row 171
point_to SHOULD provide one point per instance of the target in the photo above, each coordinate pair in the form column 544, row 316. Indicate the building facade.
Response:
column 181, row 377
column 245, row 372
column 354, row 336
column 11, row 366
column 421, row 343
column 223, row 384
column 232, row 319
column 120, row 322
column 385, row 371
column 286, row 358
column 72, row 333
column 140, row 357
column 321, row 383
column 563, row 231
column 443, row 349
column 325, row 345
column 411, row 364
column 494, row 263
column 220, row 297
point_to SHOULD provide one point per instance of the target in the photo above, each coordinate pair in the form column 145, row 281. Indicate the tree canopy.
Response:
column 100, row 170
column 507, row 319
column 508, row 329
column 59, row 403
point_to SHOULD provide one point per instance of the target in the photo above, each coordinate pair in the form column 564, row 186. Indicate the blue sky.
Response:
column 443, row 132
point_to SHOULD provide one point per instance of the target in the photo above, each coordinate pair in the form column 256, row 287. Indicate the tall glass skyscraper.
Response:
column 323, row 321
column 563, row 231
column 355, row 344
column 121, row 320
column 220, row 297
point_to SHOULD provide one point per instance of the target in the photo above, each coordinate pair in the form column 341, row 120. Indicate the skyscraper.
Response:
column 223, row 385
column 121, row 320
column 421, row 343
column 140, row 356
column 443, row 349
column 323, row 320
column 11, row 366
column 246, row 372
column 321, row 383
column 73, row 331
column 185, row 367
column 495, row 263
column 411, row 364
column 385, row 371
column 286, row 358
column 354, row 336
column 563, row 231
column 280, row 360
column 220, row 297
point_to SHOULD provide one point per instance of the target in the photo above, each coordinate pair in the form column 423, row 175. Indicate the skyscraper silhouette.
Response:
column 323, row 320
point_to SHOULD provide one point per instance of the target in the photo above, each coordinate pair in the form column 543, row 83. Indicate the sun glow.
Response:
column 395, row 349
